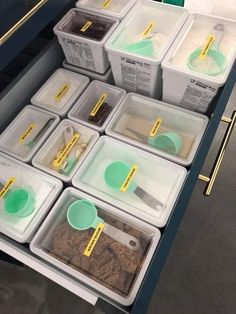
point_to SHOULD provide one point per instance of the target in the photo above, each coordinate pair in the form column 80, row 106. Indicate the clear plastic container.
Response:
column 133, row 180
column 97, row 105
column 158, row 127
column 60, row 91
column 114, row 268
column 27, row 132
column 199, row 62
column 82, row 36
column 26, row 195
column 65, row 150
column 107, row 77
column 114, row 8
column 139, row 44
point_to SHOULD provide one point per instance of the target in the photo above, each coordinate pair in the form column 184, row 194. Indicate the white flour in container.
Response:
column 196, row 38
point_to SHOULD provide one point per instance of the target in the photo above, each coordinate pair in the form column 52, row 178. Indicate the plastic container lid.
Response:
column 148, row 31
column 26, row 133
column 107, row 77
column 26, row 195
column 65, row 150
column 97, row 105
column 149, row 194
column 195, row 34
column 60, row 91
column 86, row 25
column 110, row 267
column 158, row 127
column 113, row 8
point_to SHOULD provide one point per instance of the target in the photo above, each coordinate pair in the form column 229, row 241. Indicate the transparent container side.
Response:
column 27, row 132
column 196, row 38
column 154, row 186
column 60, row 91
column 84, row 24
column 96, row 106
column 65, row 150
column 162, row 128
column 147, row 32
column 112, row 267
column 26, row 194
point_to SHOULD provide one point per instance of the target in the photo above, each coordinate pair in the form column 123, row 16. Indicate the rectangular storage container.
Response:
column 139, row 44
column 26, row 133
column 133, row 180
column 26, row 195
column 107, row 77
column 82, row 36
column 60, row 91
column 97, row 105
column 65, row 150
column 113, row 8
column 158, row 127
column 113, row 266
column 192, row 74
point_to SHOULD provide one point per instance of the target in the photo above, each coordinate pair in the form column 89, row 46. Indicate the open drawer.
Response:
column 15, row 97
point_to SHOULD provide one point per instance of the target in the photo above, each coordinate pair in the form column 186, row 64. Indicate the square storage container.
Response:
column 26, row 195
column 199, row 62
column 97, row 105
column 113, row 8
column 82, row 36
column 116, row 265
column 26, row 133
column 139, row 44
column 107, row 77
column 60, row 91
column 133, row 180
column 158, row 127
column 65, row 150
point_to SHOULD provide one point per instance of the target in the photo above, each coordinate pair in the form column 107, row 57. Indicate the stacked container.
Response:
column 65, row 150
column 140, row 183
column 60, row 91
column 116, row 265
column 107, row 77
column 113, row 8
column 158, row 127
column 26, row 133
column 139, row 44
column 97, row 105
column 199, row 62
column 26, row 195
column 82, row 36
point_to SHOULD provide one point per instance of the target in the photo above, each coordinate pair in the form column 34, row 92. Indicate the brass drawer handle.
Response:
column 12, row 30
column 211, row 179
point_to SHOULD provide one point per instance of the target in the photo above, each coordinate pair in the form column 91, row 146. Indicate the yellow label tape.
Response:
column 155, row 127
column 57, row 163
column 98, row 105
column 61, row 92
column 27, row 132
column 148, row 29
column 94, row 239
column 86, row 26
column 207, row 47
column 129, row 178
column 7, row 186
column 106, row 3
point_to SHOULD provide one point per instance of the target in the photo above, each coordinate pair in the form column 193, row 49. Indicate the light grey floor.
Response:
column 199, row 276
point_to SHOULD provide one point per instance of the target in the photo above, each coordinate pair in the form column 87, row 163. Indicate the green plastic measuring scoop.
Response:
column 143, row 47
column 115, row 175
column 169, row 142
column 18, row 202
column 82, row 215
column 214, row 62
